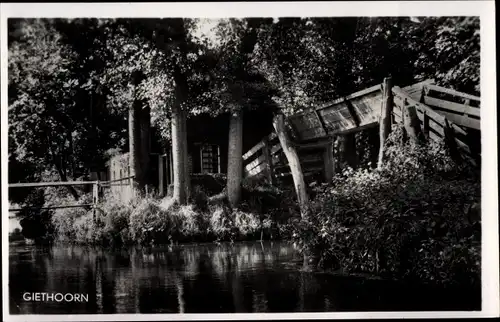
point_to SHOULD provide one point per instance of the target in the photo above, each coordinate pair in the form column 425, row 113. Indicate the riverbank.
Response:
column 418, row 218
column 146, row 220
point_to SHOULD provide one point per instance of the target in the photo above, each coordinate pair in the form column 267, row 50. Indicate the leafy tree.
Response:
column 43, row 131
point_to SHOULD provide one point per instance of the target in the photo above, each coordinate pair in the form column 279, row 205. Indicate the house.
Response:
column 208, row 141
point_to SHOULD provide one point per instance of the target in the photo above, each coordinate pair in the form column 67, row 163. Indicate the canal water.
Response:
column 206, row 278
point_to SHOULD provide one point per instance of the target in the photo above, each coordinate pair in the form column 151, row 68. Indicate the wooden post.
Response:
column 218, row 159
column 201, row 158
column 329, row 162
column 385, row 116
column 160, row 175
column 426, row 124
column 95, row 197
column 294, row 163
column 266, row 152
column 411, row 122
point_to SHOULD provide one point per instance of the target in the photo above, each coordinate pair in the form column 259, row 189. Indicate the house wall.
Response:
column 202, row 130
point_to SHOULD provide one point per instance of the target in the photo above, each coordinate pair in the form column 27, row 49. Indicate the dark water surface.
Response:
column 207, row 278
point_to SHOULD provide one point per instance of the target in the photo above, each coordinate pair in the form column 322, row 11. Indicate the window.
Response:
column 210, row 158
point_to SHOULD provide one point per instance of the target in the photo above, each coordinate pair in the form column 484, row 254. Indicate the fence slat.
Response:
column 51, row 207
column 452, row 106
column 462, row 120
column 51, row 184
column 452, row 92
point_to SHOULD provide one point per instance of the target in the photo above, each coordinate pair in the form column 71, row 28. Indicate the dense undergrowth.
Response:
column 148, row 220
column 417, row 218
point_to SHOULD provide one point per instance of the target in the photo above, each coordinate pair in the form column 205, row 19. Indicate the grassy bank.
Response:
column 417, row 219
column 148, row 220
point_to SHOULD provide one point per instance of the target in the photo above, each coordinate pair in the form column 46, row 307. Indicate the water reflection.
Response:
column 224, row 278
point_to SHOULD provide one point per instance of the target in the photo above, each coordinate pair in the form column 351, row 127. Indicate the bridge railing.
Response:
column 262, row 157
column 435, row 125
column 96, row 185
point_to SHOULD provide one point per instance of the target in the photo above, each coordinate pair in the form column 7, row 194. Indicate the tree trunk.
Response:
column 235, row 158
column 294, row 163
column 145, row 142
column 179, row 194
column 134, row 144
column 179, row 140
column 385, row 117
column 134, row 132
column 187, row 164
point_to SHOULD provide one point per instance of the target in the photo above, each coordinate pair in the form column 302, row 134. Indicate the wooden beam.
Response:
column 453, row 107
column 266, row 151
column 462, row 120
column 51, row 184
column 329, row 162
column 433, row 114
column 352, row 112
column 320, row 119
column 51, row 207
column 411, row 122
column 452, row 92
column 363, row 92
column 385, row 116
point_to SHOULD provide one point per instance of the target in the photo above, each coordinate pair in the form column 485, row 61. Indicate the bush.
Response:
column 407, row 220
column 147, row 220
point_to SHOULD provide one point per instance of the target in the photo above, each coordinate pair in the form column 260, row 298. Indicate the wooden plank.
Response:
column 51, row 207
column 452, row 92
column 435, row 137
column 259, row 146
column 322, row 122
column 268, row 161
column 461, row 145
column 51, row 184
column 310, row 158
column 255, row 163
column 432, row 114
column 363, row 92
column 462, row 120
column 397, row 118
column 253, row 150
column 451, row 106
column 313, row 145
column 436, row 127
column 397, row 112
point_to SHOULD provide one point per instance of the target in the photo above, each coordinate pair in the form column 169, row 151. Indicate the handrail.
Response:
column 452, row 92
column 116, row 180
column 258, row 146
column 51, row 184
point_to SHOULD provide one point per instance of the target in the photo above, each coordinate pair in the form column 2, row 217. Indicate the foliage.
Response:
column 410, row 220
column 146, row 220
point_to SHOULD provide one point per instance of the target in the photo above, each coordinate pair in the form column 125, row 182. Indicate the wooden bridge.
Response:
column 443, row 114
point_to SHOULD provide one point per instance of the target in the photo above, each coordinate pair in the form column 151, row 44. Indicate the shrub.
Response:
column 152, row 223
column 220, row 222
column 408, row 220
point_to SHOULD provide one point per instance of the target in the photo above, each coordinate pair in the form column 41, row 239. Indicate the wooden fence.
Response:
column 444, row 114
column 96, row 191
column 443, row 120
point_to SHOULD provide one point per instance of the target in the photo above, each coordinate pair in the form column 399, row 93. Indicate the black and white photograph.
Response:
column 253, row 162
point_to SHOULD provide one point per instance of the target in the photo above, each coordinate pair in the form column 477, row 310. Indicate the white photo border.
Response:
column 489, row 189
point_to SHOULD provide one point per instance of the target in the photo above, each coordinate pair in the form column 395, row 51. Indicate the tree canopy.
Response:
column 70, row 79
